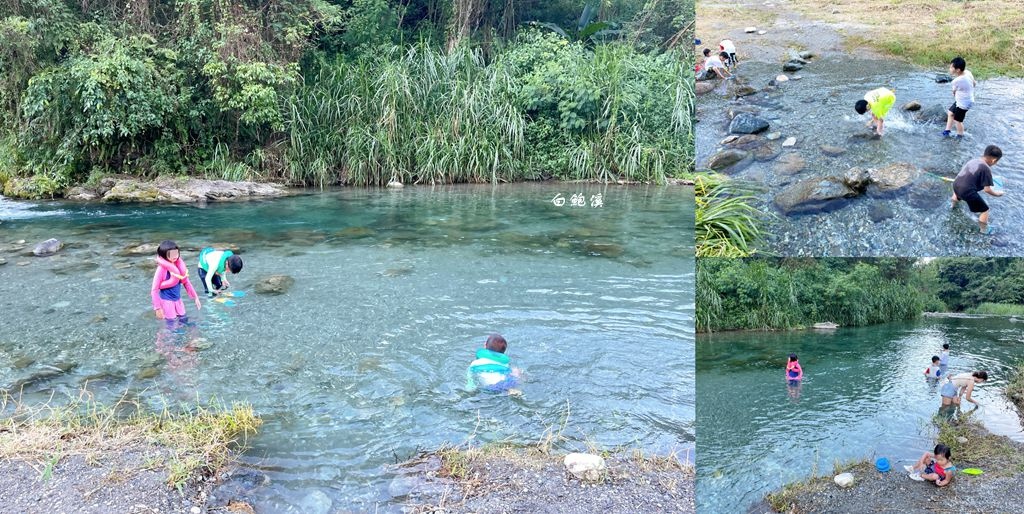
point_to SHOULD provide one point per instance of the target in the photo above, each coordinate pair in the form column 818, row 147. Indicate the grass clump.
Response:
column 973, row 446
column 199, row 440
column 727, row 225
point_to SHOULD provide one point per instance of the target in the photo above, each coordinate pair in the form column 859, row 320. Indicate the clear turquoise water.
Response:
column 363, row 360
column 864, row 396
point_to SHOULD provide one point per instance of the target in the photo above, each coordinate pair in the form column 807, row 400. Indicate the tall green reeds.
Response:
column 727, row 225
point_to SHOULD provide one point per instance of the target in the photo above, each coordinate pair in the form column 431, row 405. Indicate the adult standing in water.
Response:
column 974, row 177
column 961, row 386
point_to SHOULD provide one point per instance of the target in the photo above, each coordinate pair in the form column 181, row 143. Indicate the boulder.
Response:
column 814, row 195
column 745, row 123
column 912, row 106
column 275, row 285
column 741, row 90
column 942, row 78
column 190, row 190
column 894, row 178
column 844, row 480
column 47, row 248
column 584, row 466
column 730, row 160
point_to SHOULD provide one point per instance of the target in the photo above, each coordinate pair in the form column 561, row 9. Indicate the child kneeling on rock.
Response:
column 491, row 371
column 934, row 467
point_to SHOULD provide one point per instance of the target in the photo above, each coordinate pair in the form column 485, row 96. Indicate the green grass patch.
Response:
column 998, row 309
column 973, row 446
column 727, row 225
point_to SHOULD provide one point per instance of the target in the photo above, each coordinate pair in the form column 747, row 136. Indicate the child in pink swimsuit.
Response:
column 171, row 274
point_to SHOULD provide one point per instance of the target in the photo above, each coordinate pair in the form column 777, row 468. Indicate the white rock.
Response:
column 844, row 480
column 195, row 510
column 394, row 184
column 790, row 141
column 762, row 32
column 961, row 440
column 584, row 466
column 750, row 30
column 781, row 78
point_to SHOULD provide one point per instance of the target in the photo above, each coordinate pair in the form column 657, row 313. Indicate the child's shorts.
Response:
column 948, row 390
column 974, row 201
column 958, row 113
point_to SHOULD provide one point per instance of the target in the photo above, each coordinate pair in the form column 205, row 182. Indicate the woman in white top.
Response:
column 960, row 385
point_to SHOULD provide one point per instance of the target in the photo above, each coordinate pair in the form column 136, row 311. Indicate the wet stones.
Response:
column 47, row 248
column 746, row 123
column 275, row 285
column 138, row 250
column 730, row 161
column 603, row 249
column 814, row 195
column 912, row 106
column 932, row 114
column 856, row 178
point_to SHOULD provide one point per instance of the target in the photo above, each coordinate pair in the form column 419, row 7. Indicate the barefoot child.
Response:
column 963, row 97
column 491, row 371
column 974, row 177
column 214, row 265
column 934, row 467
column 166, row 288
column 879, row 101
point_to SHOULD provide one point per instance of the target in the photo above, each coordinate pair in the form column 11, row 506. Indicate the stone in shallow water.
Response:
column 912, row 106
column 604, row 249
column 23, row 362
column 138, row 250
column 730, row 160
column 47, row 248
column 814, row 195
column 880, row 212
column 275, row 285
column 790, row 163
column 832, row 151
column 147, row 373
column 317, row 502
column 894, row 178
column 745, row 123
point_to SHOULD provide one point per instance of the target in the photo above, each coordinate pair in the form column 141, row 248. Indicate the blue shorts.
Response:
column 948, row 390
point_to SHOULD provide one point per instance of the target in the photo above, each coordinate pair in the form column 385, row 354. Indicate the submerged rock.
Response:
column 790, row 163
column 745, row 123
column 275, row 285
column 857, row 178
column 138, row 250
column 316, row 502
column 832, row 151
column 879, row 212
column 894, row 178
column 814, row 195
column 584, row 466
column 604, row 249
column 942, row 78
column 191, row 190
column 730, row 160
column 932, row 114
column 47, row 248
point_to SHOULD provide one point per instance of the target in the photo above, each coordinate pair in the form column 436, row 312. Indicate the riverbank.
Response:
column 85, row 457
column 504, row 478
column 997, row 490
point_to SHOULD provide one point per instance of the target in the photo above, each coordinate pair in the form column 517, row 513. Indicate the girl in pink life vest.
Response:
column 794, row 374
column 166, row 289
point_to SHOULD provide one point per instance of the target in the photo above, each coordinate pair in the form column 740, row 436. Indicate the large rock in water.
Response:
column 894, row 178
column 857, row 178
column 275, row 285
column 814, row 195
column 746, row 123
column 179, row 190
column 731, row 160
column 932, row 114
column 47, row 248
column 584, row 466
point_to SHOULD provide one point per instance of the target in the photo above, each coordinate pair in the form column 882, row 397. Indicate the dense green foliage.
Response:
column 342, row 91
column 770, row 294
